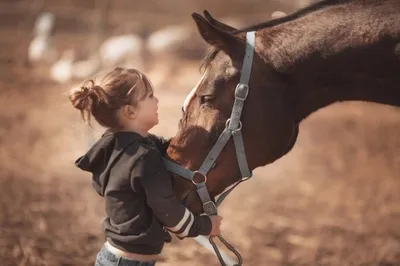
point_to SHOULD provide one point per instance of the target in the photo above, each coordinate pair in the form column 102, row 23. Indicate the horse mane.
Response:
column 297, row 14
column 213, row 51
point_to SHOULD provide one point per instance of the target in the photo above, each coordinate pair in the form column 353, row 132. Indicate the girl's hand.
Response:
column 216, row 225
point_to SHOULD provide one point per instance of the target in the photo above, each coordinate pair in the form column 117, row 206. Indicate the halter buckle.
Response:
column 241, row 91
column 210, row 208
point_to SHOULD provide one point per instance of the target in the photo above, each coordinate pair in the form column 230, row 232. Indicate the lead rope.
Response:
column 221, row 239
column 228, row 246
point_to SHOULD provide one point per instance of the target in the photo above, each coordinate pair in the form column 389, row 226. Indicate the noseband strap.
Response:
column 233, row 128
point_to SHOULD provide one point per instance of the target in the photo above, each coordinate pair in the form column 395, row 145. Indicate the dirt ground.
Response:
column 333, row 200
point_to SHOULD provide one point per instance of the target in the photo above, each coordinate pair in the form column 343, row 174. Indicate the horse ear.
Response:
column 215, row 36
column 217, row 23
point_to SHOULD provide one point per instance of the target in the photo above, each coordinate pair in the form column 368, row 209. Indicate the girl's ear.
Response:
column 129, row 111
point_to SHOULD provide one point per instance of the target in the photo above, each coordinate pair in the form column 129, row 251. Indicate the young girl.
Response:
column 128, row 171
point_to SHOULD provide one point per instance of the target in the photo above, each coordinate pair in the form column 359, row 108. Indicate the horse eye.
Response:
column 207, row 99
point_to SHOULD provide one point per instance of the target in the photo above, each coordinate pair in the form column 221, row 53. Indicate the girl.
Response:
column 127, row 170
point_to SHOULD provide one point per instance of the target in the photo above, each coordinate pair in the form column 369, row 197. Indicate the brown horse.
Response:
column 331, row 51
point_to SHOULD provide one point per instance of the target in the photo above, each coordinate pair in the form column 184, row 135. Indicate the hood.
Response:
column 102, row 155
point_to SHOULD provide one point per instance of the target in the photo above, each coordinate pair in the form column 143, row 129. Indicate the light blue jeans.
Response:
column 106, row 258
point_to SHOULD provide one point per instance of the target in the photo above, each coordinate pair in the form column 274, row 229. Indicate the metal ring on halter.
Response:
column 237, row 129
column 199, row 183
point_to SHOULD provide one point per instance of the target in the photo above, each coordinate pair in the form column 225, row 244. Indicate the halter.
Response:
column 233, row 128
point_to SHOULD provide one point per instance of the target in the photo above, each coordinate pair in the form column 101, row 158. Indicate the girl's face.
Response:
column 141, row 116
column 146, row 112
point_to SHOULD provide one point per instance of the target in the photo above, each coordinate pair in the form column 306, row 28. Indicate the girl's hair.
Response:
column 117, row 88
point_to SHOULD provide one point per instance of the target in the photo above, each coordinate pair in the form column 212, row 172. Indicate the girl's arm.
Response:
column 157, row 184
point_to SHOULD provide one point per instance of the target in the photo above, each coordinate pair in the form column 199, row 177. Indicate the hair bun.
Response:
column 84, row 89
column 87, row 86
column 81, row 97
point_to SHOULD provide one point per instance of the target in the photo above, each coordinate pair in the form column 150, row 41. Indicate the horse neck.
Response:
column 347, row 52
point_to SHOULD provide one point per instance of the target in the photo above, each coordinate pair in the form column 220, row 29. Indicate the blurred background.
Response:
column 333, row 200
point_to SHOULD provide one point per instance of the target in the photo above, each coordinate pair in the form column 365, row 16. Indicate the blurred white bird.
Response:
column 117, row 49
column 61, row 71
column 41, row 49
column 278, row 14
column 67, row 68
column 44, row 24
column 167, row 37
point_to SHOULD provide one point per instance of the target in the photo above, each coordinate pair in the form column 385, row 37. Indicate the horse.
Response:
column 330, row 51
